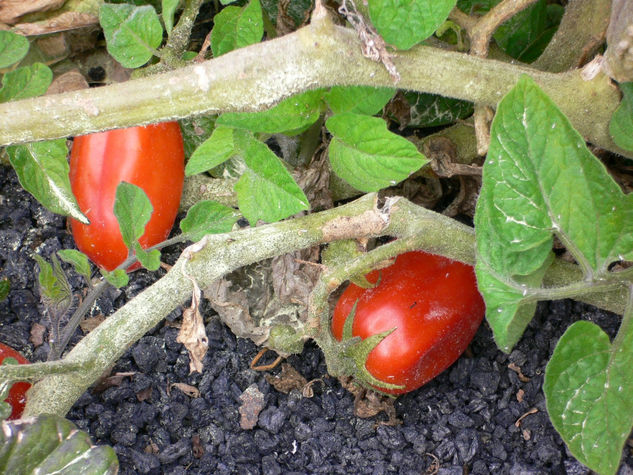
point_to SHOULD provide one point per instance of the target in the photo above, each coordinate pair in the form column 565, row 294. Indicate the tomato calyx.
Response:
column 354, row 352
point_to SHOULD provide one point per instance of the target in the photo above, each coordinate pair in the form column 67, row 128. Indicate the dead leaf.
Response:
column 192, row 333
column 196, row 446
column 37, row 334
column 189, row 390
column 287, row 380
column 144, row 395
column 252, row 404
column 152, row 448
column 115, row 380
column 64, row 21
column 11, row 10
column 527, row 435
column 293, row 280
column 520, row 394
column 70, row 81
column 89, row 324
column 308, row 389
column 369, row 403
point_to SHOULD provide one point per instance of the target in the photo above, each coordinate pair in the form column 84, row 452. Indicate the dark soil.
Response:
column 478, row 417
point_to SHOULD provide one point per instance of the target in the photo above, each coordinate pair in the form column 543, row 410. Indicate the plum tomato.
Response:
column 151, row 157
column 17, row 392
column 433, row 304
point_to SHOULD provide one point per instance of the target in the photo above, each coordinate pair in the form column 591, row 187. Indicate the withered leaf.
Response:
column 89, row 324
column 287, row 380
column 189, row 390
column 11, row 10
column 114, row 380
column 37, row 334
column 192, row 333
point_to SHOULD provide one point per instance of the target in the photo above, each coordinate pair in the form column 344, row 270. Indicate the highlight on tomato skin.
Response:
column 17, row 392
column 433, row 304
column 151, row 157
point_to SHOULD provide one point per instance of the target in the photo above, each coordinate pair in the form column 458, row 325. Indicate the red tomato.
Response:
column 435, row 307
column 17, row 392
column 150, row 157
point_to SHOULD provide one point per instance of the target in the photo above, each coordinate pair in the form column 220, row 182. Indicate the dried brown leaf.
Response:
column 37, row 334
column 192, row 333
column 196, row 446
column 89, row 324
column 287, row 380
column 109, row 381
column 189, row 390
column 252, row 404
column 11, row 10
column 144, row 395
column 65, row 21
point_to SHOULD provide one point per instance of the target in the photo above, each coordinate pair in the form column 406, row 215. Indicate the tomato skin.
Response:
column 151, row 157
column 17, row 392
column 434, row 305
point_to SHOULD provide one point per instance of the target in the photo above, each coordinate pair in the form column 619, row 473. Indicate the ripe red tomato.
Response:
column 435, row 307
column 17, row 392
column 150, row 157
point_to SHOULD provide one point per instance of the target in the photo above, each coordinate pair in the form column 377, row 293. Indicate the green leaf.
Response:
column 404, row 23
column 291, row 114
column 359, row 99
column 42, row 169
column 208, row 217
column 25, row 82
column 431, row 110
column 266, row 190
column 540, row 180
column 13, row 48
column 78, row 260
column 133, row 210
column 148, row 259
column 196, row 130
column 621, row 125
column 5, row 287
column 215, row 150
column 168, row 12
column 589, row 392
column 54, row 286
column 236, row 27
column 52, row 444
column 118, row 277
column 367, row 156
column 132, row 33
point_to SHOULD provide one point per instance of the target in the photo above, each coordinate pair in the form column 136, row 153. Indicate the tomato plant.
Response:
column 17, row 392
column 151, row 157
column 432, row 303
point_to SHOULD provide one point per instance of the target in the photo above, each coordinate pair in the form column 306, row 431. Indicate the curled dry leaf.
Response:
column 252, row 404
column 89, row 324
column 70, row 81
column 109, row 381
column 11, row 10
column 63, row 21
column 293, row 279
column 287, row 380
column 192, row 333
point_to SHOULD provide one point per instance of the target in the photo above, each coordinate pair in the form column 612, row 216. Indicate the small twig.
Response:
column 265, row 367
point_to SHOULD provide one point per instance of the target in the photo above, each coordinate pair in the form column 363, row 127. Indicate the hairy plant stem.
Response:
column 318, row 55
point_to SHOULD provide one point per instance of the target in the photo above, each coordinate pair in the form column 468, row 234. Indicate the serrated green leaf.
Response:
column 133, row 210
column 78, row 260
column 117, row 278
column 13, row 48
column 367, row 156
column 25, row 82
column 208, row 217
column 359, row 99
column 431, row 110
column 236, row 27
column 621, row 125
column 540, row 180
column 291, row 114
column 404, row 23
column 132, row 33
column 5, row 287
column 215, row 150
column 589, row 392
column 42, row 169
column 266, row 190
column 52, row 444
column 168, row 12
column 53, row 282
